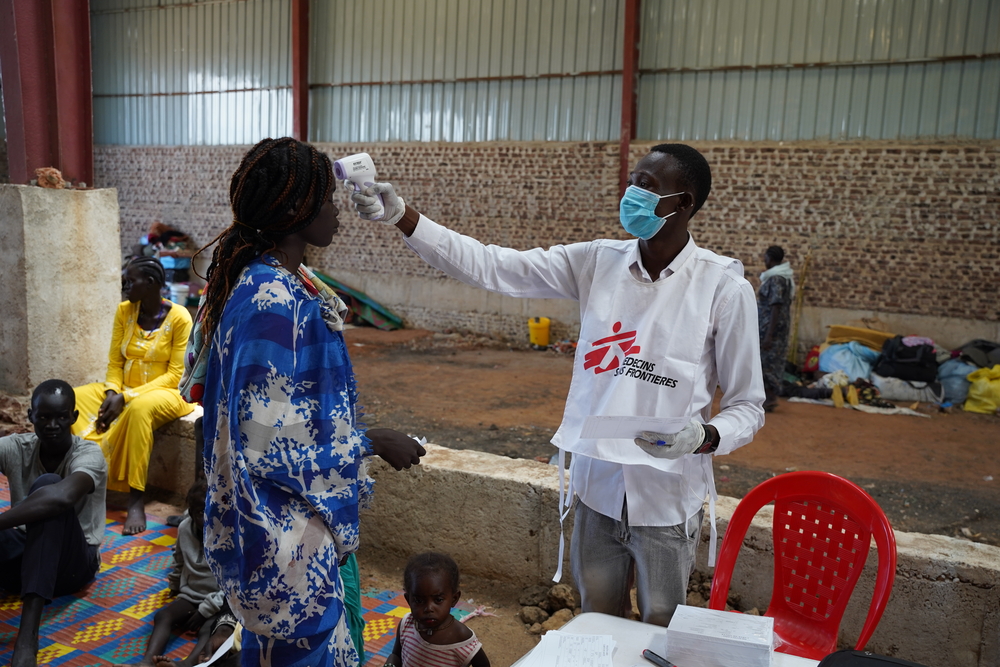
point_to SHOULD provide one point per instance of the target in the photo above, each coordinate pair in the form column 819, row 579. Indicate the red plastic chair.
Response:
column 823, row 525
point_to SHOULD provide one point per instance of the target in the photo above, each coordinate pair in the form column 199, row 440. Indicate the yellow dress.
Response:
column 145, row 367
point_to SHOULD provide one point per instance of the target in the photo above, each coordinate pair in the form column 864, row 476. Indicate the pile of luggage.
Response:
column 913, row 368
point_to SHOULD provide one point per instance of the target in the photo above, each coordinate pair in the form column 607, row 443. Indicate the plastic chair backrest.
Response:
column 823, row 525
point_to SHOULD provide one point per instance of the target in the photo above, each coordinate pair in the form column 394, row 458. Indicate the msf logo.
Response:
column 620, row 345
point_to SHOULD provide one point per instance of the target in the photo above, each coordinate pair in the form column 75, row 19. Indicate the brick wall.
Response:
column 890, row 227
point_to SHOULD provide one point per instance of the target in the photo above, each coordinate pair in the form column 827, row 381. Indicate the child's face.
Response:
column 197, row 514
column 431, row 599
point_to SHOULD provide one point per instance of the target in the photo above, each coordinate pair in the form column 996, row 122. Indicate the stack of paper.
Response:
column 562, row 649
column 712, row 638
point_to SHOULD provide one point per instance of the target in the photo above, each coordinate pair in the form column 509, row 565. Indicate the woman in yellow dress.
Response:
column 139, row 393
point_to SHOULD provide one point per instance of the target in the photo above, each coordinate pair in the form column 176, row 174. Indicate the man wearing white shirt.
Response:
column 662, row 324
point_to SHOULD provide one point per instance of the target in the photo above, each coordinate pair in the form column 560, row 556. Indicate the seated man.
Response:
column 51, row 536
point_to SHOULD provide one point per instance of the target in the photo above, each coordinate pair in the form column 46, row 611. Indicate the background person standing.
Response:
column 774, row 308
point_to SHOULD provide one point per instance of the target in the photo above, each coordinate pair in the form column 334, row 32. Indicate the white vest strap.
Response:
column 564, row 501
column 713, row 495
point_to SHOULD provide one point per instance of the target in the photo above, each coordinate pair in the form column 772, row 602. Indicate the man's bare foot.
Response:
column 25, row 657
column 26, row 644
column 164, row 661
column 135, row 520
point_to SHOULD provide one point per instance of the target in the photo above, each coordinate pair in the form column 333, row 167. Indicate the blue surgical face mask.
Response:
column 637, row 212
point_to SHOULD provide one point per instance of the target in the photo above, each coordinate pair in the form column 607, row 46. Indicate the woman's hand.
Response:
column 397, row 449
column 110, row 410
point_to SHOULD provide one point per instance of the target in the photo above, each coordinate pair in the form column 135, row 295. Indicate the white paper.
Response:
column 743, row 629
column 628, row 428
column 226, row 645
column 562, row 649
column 719, row 638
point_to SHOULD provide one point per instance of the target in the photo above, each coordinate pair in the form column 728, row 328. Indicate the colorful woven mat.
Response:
column 109, row 621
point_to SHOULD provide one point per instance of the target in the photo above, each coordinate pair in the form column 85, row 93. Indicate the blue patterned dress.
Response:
column 284, row 455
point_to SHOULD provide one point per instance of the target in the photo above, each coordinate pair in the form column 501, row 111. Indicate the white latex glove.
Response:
column 675, row 445
column 367, row 205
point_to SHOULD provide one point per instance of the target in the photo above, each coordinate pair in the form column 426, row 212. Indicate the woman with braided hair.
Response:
column 284, row 448
column 139, row 393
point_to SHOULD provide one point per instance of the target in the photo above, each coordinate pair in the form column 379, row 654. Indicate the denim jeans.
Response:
column 604, row 550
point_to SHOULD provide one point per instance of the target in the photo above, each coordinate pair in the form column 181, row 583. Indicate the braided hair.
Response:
column 277, row 190
column 149, row 267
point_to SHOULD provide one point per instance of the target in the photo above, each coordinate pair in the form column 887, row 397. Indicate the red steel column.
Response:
column 74, row 89
column 630, row 68
column 300, row 69
column 45, row 65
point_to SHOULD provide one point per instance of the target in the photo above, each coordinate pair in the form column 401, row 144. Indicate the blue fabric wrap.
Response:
column 280, row 383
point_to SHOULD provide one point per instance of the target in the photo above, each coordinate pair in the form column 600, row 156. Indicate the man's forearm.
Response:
column 40, row 505
column 48, row 501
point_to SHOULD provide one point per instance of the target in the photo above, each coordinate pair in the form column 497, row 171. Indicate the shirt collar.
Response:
column 639, row 272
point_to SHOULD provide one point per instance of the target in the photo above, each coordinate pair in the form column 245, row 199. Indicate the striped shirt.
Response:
column 417, row 652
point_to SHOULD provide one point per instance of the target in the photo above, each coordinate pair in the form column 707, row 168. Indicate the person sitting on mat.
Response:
column 51, row 536
column 199, row 599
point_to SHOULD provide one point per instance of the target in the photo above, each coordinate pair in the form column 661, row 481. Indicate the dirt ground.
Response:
column 937, row 474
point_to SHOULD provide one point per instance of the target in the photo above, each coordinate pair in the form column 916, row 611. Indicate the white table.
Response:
column 632, row 637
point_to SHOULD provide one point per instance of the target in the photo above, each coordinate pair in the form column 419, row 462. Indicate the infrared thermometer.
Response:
column 359, row 170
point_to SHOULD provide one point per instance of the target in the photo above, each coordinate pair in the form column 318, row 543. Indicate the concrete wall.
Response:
column 891, row 228
column 171, row 463
column 498, row 517
column 61, row 284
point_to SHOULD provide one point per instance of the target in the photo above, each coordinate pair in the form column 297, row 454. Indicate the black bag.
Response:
column 913, row 364
column 852, row 658
column 982, row 353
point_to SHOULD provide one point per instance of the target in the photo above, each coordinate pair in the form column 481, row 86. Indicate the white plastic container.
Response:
column 179, row 293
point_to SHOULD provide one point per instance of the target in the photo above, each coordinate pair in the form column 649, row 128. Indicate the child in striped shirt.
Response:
column 429, row 636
